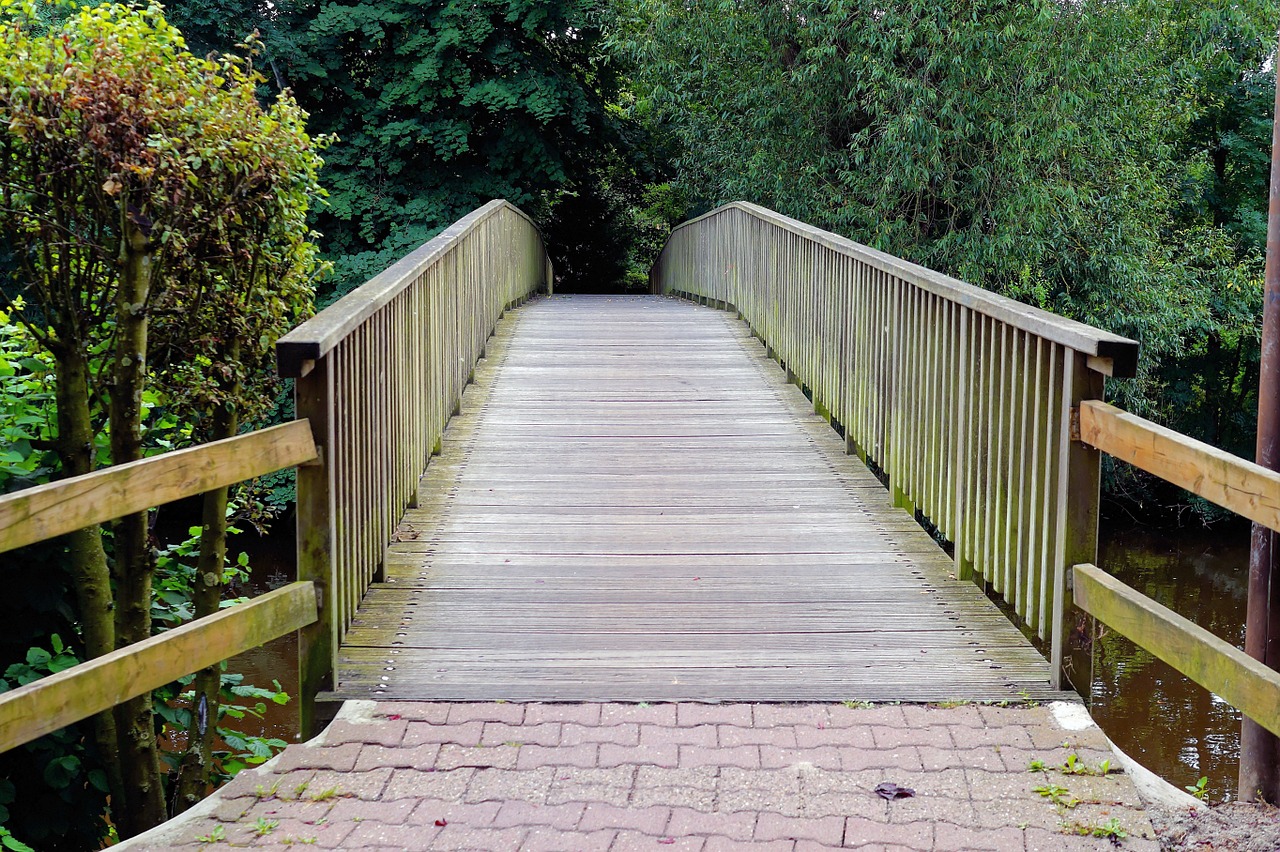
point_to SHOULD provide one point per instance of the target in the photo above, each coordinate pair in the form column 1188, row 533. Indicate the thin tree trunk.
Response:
column 91, row 578
column 133, row 563
column 197, row 763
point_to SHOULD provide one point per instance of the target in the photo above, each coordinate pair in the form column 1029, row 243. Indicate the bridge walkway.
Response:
column 634, row 505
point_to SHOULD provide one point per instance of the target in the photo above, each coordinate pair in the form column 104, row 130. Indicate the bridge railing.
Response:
column 379, row 373
column 1231, row 482
column 961, row 398
column 46, row 511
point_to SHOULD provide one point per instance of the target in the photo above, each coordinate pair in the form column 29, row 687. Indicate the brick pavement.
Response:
column 618, row 777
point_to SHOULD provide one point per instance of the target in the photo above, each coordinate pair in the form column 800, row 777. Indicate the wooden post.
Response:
column 551, row 278
column 317, row 643
column 1259, row 748
column 1076, row 538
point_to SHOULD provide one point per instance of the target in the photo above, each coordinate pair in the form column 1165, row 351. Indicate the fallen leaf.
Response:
column 441, row 823
column 666, row 841
column 889, row 790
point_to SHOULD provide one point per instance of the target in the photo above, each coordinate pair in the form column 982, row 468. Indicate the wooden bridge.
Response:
column 681, row 496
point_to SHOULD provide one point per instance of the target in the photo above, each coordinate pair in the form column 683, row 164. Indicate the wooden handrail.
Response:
column 961, row 398
column 1122, row 351
column 1224, row 479
column 319, row 335
column 379, row 374
column 49, row 510
column 1241, row 681
column 53, row 702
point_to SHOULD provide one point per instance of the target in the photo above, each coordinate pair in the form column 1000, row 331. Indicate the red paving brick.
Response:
column 616, row 777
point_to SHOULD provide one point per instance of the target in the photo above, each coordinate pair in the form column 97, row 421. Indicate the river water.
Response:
column 1164, row 721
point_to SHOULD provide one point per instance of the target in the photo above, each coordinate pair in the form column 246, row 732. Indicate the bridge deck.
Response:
column 635, row 506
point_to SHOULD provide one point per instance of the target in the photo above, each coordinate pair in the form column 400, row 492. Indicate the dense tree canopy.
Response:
column 1104, row 160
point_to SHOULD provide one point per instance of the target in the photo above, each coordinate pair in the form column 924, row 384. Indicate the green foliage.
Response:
column 1106, row 161
column 26, row 410
column 438, row 108
column 1200, row 789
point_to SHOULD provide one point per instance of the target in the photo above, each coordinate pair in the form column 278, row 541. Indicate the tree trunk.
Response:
column 197, row 763
column 139, row 755
column 91, row 578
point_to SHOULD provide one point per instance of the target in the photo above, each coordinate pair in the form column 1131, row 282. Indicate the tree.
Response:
column 124, row 160
column 1078, row 156
column 437, row 107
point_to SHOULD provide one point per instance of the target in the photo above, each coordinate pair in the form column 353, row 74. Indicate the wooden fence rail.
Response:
column 35, row 514
column 962, row 398
column 379, row 374
column 1221, row 478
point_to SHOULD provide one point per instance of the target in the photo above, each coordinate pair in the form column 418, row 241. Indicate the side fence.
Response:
column 45, row 511
column 963, row 399
column 379, row 374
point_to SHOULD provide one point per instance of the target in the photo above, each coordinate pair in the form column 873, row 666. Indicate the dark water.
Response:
column 1175, row 728
column 272, row 563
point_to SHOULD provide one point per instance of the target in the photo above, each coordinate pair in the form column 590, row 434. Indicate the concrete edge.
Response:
column 1151, row 787
column 353, row 712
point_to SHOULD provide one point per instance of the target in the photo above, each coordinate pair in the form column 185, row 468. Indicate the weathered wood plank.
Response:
column 634, row 505
column 1217, row 665
column 50, row 510
column 1216, row 475
column 31, row 711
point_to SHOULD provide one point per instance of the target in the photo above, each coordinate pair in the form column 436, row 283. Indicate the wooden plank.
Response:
column 1216, row 475
column 45, row 511
column 1218, row 666
column 634, row 504
column 51, row 703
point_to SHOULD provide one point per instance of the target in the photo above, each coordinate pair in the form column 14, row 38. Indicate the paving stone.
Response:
column 499, row 785
column 937, row 735
column 533, row 756
column 693, row 798
column 625, row 734
column 564, row 817
column 582, row 714
column 713, row 714
column 703, row 777
column 771, row 826
column 948, row 837
column 413, row 711
column 856, row 736
column 418, row 733
column 726, row 844
column 416, row 784
column 916, row 835
column 824, row 757
column 773, row 715
column 510, row 713
column 465, row 837
column 541, row 839
column 737, row 826
column 662, row 735
column 857, row 759
column 633, row 841
column 781, row 737
column 388, row 812
column 747, row 757
column 342, row 758
column 667, row 776
column 644, row 714
column 500, row 733
column 616, row 755
column 652, row 820
column 376, row 756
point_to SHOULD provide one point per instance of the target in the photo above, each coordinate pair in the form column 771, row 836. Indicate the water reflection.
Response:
column 272, row 564
column 1172, row 726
